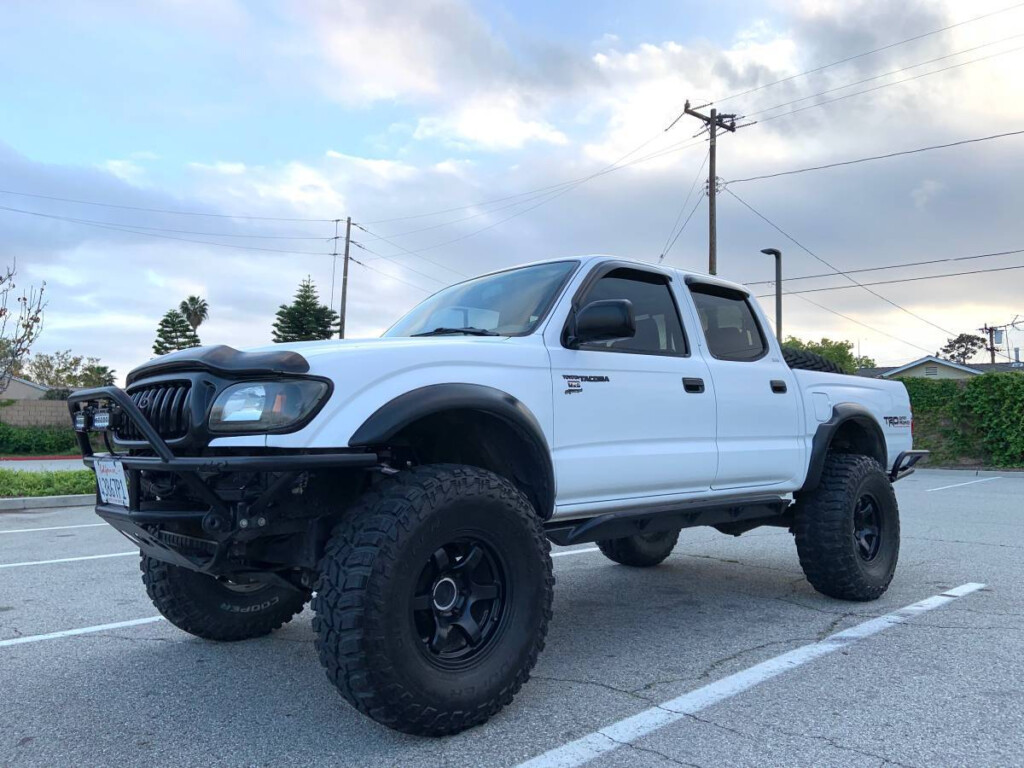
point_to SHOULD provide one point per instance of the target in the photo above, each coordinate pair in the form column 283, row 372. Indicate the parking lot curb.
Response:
column 47, row 502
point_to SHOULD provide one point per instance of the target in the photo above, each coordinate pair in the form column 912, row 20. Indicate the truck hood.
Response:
column 294, row 358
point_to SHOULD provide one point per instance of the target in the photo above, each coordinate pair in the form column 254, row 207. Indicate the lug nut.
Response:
column 261, row 521
column 243, row 523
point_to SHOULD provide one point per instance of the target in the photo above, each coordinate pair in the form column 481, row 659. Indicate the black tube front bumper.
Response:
column 222, row 521
column 904, row 464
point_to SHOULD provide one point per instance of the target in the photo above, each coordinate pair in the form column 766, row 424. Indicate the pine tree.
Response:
column 174, row 333
column 305, row 319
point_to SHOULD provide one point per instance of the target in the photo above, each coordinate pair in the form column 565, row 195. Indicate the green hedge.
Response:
column 20, row 483
column 976, row 421
column 37, row 441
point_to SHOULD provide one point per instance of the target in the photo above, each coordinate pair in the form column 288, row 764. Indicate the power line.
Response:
column 901, row 280
column 807, row 250
column 405, row 250
column 892, row 266
column 885, row 74
column 867, row 53
column 682, row 209
column 887, row 85
column 551, row 196
column 537, row 192
column 865, row 325
column 359, row 245
column 117, row 228
column 389, row 275
column 680, row 232
column 156, row 210
column 876, row 157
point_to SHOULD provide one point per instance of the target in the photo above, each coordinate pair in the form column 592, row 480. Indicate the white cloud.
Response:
column 405, row 49
column 384, row 170
column 227, row 169
column 126, row 170
column 490, row 123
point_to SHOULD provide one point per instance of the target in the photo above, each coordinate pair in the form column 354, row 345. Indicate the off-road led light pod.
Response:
column 101, row 420
column 81, row 421
column 265, row 406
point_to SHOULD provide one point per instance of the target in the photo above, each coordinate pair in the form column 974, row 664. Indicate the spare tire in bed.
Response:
column 802, row 360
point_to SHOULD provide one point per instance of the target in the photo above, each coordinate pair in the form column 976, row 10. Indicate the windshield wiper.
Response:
column 469, row 331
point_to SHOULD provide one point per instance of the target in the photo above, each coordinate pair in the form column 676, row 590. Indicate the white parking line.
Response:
column 136, row 552
column 627, row 731
column 81, row 631
column 575, row 552
column 958, row 485
column 68, row 559
column 53, row 528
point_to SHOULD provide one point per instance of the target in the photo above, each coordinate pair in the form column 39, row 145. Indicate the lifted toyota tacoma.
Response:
column 410, row 485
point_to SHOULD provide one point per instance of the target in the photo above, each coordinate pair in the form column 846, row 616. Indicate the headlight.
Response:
column 260, row 406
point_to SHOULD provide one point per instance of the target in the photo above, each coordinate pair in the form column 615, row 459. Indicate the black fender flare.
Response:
column 843, row 413
column 392, row 417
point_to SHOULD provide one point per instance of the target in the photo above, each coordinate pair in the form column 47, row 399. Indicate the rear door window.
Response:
column 729, row 323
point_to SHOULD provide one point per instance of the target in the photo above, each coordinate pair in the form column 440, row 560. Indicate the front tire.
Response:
column 433, row 599
column 641, row 551
column 848, row 530
column 215, row 610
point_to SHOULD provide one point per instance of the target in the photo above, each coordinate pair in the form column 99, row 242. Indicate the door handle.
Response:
column 778, row 386
column 693, row 386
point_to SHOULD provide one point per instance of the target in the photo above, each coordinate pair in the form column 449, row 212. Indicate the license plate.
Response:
column 112, row 483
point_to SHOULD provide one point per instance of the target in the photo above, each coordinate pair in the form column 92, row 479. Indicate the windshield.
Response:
column 507, row 303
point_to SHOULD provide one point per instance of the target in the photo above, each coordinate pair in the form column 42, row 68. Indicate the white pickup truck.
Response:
column 409, row 485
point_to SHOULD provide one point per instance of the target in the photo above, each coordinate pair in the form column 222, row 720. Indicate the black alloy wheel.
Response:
column 459, row 602
column 867, row 527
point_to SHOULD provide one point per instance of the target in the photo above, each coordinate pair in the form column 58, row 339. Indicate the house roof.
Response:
column 27, row 383
column 974, row 369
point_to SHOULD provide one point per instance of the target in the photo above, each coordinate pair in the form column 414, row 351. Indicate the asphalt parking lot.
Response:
column 718, row 636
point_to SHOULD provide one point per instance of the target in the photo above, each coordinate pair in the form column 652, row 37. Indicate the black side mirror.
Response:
column 605, row 320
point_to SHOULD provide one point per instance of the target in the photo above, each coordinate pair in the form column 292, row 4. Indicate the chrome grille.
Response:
column 165, row 406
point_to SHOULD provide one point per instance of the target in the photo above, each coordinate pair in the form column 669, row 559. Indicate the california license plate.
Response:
column 112, row 483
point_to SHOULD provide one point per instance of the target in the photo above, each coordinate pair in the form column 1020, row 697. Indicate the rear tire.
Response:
column 214, row 610
column 848, row 529
column 640, row 551
column 433, row 599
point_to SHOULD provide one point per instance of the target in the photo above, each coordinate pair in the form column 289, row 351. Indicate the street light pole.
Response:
column 778, row 289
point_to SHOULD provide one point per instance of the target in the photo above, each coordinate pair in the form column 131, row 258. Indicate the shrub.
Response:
column 37, row 441
column 977, row 421
column 19, row 483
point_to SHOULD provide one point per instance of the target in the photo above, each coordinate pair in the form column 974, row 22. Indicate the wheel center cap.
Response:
column 446, row 594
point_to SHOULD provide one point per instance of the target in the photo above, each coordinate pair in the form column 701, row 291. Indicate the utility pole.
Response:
column 712, row 121
column 344, row 278
column 991, row 341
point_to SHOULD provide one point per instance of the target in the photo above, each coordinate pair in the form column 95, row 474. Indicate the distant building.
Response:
column 932, row 367
column 23, row 389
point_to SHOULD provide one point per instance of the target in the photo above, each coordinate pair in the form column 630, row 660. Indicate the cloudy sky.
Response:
column 433, row 123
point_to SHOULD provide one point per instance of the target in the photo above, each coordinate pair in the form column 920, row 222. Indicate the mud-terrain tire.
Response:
column 848, row 529
column 640, row 551
column 802, row 360
column 214, row 610
column 421, row 564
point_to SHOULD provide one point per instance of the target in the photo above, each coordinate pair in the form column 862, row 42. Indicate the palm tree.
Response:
column 195, row 310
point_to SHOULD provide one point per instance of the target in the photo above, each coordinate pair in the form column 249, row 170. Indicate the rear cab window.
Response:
column 729, row 323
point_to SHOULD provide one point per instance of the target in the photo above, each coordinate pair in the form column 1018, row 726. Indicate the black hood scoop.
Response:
column 224, row 360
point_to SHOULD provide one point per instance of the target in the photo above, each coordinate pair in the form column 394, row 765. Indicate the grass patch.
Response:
column 19, row 483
